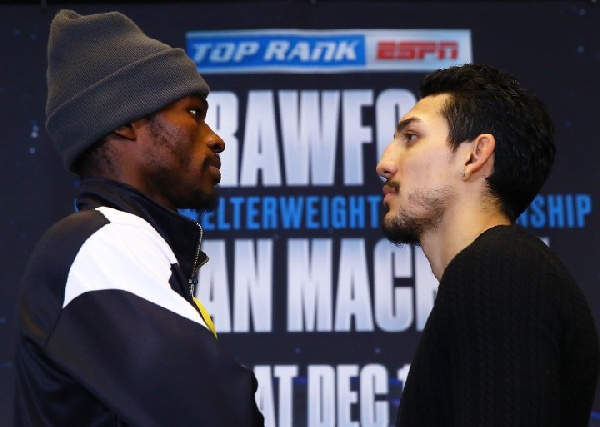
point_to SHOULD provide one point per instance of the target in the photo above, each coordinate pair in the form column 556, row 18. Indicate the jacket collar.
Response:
column 181, row 233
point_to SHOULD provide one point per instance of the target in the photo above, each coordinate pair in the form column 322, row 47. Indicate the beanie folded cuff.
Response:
column 132, row 92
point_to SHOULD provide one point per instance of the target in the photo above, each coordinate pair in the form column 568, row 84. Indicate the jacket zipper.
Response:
column 193, row 280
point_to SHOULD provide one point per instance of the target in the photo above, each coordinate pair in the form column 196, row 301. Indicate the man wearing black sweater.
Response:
column 510, row 340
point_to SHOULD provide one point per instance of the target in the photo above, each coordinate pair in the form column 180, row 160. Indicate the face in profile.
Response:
column 419, row 171
column 182, row 165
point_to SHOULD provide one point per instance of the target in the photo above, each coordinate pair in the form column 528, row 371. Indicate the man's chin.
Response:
column 400, row 239
column 398, row 234
column 201, row 203
column 208, row 204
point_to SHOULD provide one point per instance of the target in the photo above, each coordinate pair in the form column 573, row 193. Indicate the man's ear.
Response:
column 127, row 131
column 480, row 154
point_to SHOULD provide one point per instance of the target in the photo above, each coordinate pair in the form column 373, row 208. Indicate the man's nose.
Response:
column 215, row 143
column 386, row 167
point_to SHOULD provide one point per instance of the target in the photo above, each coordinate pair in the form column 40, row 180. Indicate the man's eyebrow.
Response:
column 403, row 124
column 201, row 99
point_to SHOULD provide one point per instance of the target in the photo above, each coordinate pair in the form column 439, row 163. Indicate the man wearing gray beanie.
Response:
column 110, row 332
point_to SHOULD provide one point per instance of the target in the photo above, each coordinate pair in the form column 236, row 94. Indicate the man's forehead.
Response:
column 198, row 98
column 432, row 104
column 426, row 109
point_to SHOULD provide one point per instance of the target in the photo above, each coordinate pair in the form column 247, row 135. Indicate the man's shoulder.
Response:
column 507, row 243
column 77, row 227
column 69, row 232
column 43, row 281
column 60, row 244
column 510, row 253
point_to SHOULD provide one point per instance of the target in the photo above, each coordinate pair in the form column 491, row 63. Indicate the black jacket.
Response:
column 109, row 334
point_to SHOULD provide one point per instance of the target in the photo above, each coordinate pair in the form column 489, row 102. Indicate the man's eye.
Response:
column 196, row 113
column 410, row 136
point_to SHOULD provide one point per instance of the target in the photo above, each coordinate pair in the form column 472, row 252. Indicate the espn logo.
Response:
column 416, row 50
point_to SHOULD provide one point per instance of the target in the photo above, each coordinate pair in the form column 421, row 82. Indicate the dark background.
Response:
column 553, row 47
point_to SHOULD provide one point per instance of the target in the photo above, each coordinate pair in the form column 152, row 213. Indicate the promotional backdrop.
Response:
column 302, row 286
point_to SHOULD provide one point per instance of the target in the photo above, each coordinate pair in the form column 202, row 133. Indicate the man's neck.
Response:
column 457, row 230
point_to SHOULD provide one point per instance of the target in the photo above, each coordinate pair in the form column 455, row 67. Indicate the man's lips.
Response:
column 388, row 191
column 214, row 167
column 214, row 162
column 215, row 170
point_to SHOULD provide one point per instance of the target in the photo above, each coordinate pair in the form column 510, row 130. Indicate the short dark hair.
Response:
column 484, row 99
column 95, row 161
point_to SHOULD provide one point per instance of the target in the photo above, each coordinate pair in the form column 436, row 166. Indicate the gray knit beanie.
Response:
column 104, row 72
